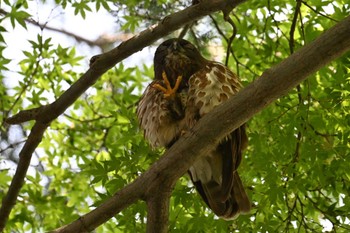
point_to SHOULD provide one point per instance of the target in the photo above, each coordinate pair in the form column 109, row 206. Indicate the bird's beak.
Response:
column 175, row 46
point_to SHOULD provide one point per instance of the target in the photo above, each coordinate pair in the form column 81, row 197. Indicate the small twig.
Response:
column 293, row 26
column 87, row 120
column 298, row 87
column 230, row 40
column 12, row 145
column 184, row 30
column 282, row 113
column 189, row 25
column 231, row 50
column 317, row 12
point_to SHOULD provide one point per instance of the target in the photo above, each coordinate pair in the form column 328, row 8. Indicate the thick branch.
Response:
column 158, row 211
column 105, row 61
column 273, row 84
column 25, row 156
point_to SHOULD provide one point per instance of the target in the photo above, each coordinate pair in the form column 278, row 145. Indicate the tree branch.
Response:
column 104, row 62
column 158, row 210
column 273, row 84
column 317, row 12
column 25, row 156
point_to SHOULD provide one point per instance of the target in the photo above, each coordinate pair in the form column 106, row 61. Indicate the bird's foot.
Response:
column 168, row 91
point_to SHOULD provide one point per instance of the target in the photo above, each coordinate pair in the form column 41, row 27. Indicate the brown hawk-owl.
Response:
column 187, row 86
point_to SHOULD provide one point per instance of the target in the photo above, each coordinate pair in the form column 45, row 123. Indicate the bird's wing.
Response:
column 215, row 175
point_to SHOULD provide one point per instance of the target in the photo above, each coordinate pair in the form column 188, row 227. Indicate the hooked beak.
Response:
column 175, row 46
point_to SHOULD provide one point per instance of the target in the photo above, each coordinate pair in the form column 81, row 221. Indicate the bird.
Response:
column 187, row 86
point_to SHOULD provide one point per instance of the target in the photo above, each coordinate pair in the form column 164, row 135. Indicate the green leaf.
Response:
column 19, row 17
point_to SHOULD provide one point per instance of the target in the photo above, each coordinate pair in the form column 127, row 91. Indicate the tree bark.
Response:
column 9, row 200
column 158, row 211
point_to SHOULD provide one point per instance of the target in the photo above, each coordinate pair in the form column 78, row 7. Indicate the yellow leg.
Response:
column 168, row 90
column 166, row 81
column 159, row 87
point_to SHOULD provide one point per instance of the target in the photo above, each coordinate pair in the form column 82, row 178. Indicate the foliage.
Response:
column 296, row 165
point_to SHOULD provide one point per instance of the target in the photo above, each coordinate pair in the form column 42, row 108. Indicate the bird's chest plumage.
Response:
column 210, row 87
column 163, row 119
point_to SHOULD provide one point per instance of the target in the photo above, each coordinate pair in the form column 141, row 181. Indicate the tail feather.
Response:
column 236, row 203
column 216, row 178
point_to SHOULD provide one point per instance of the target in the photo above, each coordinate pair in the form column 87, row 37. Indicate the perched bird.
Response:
column 187, row 86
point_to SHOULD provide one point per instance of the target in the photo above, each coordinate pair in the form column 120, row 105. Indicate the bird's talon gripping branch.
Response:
column 168, row 90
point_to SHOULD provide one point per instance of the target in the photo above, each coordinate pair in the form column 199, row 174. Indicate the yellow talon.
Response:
column 168, row 90
column 166, row 81
column 178, row 82
column 159, row 87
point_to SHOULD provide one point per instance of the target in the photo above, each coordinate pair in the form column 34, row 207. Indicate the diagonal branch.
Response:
column 158, row 209
column 25, row 156
column 45, row 114
column 273, row 84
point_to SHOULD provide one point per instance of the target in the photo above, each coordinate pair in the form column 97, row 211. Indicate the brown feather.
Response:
column 204, row 86
column 160, row 118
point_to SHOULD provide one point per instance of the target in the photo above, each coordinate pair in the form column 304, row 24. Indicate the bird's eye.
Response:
column 190, row 46
column 163, row 47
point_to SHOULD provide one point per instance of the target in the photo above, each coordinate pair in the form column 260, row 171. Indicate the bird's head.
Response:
column 177, row 57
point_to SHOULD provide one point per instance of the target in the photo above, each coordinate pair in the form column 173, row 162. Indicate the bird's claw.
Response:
column 168, row 91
